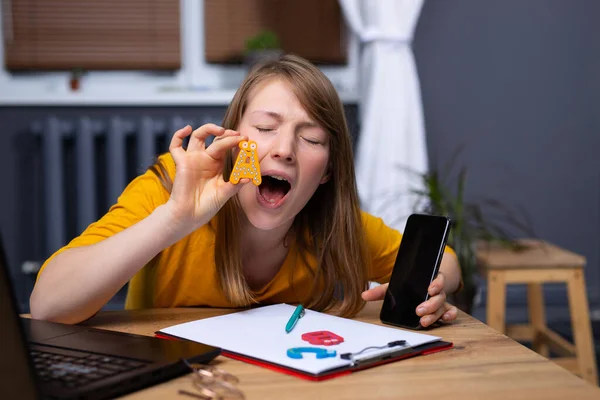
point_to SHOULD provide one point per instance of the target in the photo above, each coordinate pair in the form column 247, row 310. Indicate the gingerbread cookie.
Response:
column 246, row 165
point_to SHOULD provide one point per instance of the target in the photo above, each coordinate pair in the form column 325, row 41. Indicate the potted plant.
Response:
column 261, row 46
column 472, row 222
column 75, row 78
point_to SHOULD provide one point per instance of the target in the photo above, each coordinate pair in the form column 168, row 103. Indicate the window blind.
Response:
column 91, row 34
column 313, row 29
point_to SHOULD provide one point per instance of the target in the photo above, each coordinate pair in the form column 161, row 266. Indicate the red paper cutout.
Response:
column 325, row 338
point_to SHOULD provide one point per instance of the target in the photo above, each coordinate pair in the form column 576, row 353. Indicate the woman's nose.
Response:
column 283, row 147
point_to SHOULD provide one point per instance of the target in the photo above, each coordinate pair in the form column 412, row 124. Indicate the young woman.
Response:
column 183, row 235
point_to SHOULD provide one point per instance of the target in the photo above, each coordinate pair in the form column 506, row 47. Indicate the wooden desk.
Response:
column 484, row 364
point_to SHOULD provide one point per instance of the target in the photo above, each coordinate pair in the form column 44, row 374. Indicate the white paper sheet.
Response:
column 260, row 333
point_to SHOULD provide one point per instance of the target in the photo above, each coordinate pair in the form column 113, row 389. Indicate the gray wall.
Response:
column 517, row 83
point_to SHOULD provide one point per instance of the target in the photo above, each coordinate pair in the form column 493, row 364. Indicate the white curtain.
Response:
column 392, row 136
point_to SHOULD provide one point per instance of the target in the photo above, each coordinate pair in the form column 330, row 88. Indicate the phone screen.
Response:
column 417, row 264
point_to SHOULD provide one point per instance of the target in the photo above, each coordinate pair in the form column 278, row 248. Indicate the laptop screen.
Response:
column 16, row 371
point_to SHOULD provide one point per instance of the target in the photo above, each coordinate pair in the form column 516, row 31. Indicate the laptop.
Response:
column 40, row 359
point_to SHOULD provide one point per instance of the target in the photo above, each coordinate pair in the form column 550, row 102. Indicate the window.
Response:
column 313, row 29
column 91, row 34
column 161, row 63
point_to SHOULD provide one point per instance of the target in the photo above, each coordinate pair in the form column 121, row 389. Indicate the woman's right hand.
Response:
column 199, row 190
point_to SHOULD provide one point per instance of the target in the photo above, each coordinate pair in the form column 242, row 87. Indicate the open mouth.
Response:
column 274, row 188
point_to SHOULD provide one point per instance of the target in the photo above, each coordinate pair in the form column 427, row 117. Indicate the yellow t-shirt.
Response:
column 184, row 274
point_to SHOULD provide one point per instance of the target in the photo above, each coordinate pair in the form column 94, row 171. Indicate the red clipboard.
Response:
column 421, row 350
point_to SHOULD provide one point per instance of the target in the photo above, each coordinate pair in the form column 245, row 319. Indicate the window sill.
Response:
column 137, row 98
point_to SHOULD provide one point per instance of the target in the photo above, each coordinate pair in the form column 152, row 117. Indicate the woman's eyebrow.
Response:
column 279, row 118
column 307, row 124
column 271, row 114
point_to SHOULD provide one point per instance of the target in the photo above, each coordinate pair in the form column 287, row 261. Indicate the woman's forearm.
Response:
column 80, row 281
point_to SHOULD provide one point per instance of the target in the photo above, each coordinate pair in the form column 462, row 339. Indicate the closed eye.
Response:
column 311, row 141
column 264, row 129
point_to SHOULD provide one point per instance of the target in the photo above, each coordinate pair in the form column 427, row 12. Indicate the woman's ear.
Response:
column 327, row 175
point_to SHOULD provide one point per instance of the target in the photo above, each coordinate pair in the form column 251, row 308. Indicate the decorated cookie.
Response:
column 246, row 165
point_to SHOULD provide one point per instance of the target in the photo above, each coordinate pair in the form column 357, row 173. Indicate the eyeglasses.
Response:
column 212, row 383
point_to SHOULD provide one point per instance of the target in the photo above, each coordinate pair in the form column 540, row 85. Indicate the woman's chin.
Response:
column 265, row 223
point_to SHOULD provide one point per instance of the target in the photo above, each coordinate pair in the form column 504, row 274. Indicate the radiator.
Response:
column 86, row 164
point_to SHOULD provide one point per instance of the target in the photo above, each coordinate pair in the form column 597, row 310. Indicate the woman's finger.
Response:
column 229, row 189
column 218, row 149
column 377, row 293
column 227, row 132
column 199, row 136
column 176, row 145
column 431, row 318
column 451, row 314
column 437, row 285
column 434, row 303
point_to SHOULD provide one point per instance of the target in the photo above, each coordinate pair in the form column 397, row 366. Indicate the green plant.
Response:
column 482, row 221
column 74, row 80
column 77, row 72
column 264, row 40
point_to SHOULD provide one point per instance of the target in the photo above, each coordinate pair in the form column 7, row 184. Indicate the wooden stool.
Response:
column 537, row 263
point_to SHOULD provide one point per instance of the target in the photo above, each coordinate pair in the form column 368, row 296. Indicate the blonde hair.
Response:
column 330, row 226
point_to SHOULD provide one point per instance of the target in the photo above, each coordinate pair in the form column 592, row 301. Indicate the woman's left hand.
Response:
column 431, row 310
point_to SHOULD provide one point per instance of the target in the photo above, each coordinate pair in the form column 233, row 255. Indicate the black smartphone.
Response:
column 417, row 264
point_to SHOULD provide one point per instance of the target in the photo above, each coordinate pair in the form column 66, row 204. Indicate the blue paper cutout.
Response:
column 296, row 352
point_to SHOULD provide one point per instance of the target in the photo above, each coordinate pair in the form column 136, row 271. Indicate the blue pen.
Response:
column 298, row 313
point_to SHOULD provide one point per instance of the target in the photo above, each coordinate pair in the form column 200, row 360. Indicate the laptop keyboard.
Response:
column 72, row 369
